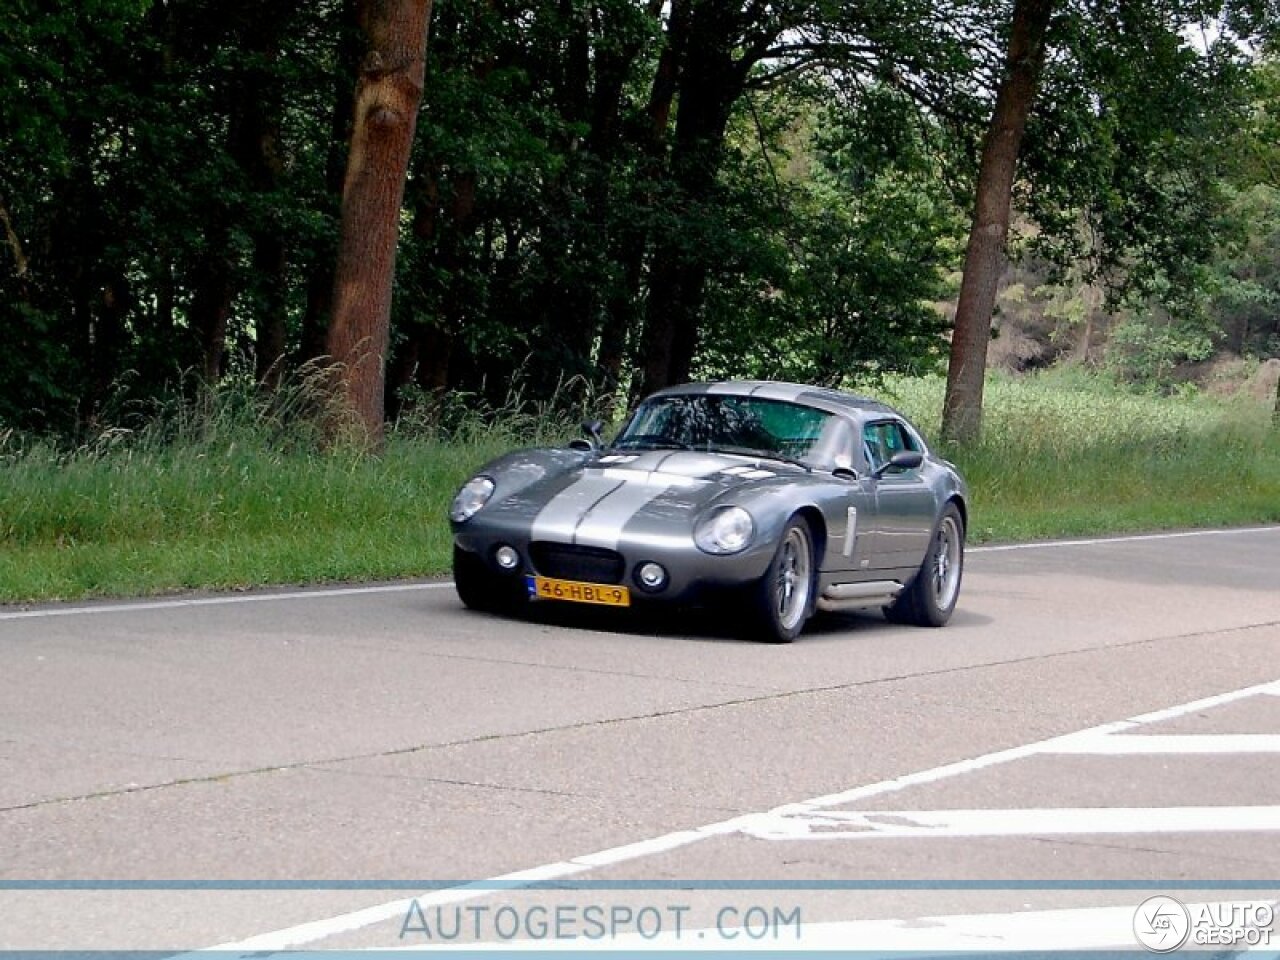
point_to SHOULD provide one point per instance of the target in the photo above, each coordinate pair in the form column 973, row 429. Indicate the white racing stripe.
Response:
column 603, row 525
column 595, row 508
column 559, row 518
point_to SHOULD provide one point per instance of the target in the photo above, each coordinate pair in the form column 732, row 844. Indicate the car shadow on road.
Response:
column 712, row 625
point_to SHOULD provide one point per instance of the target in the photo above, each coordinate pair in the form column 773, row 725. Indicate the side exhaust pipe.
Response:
column 855, row 596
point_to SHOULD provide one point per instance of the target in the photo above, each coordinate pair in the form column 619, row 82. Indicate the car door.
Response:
column 904, row 504
column 850, row 516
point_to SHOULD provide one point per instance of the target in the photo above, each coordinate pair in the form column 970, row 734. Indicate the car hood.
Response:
column 597, row 501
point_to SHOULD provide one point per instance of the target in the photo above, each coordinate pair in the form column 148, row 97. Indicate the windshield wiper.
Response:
column 759, row 454
column 651, row 443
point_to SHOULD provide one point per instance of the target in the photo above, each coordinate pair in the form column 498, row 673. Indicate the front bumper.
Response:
column 691, row 574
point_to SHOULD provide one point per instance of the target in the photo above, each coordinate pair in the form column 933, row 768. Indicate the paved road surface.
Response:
column 982, row 776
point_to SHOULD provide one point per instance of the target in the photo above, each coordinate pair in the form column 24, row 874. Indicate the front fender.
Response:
column 773, row 503
column 513, row 472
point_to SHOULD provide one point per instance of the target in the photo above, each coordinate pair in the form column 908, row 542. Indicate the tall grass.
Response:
column 1064, row 453
column 232, row 489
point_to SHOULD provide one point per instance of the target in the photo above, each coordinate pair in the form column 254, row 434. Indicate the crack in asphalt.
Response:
column 611, row 721
column 501, row 787
column 1214, row 854
column 566, row 668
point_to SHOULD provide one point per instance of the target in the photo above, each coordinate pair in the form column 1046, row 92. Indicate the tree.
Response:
column 984, row 257
column 388, row 92
column 1126, row 133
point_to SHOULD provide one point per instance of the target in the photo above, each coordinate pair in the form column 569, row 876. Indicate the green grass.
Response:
column 235, row 497
column 1063, row 454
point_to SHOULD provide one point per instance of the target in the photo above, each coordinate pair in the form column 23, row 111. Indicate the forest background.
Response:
column 230, row 226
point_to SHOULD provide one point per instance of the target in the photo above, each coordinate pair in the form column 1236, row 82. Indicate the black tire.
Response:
column 481, row 589
column 782, row 601
column 930, row 598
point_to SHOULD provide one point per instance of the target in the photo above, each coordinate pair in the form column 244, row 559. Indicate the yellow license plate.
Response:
column 545, row 588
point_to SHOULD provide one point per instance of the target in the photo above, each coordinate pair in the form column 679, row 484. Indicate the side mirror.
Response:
column 592, row 429
column 902, row 460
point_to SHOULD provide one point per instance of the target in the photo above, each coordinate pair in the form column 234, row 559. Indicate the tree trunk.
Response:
column 622, row 318
column 429, row 344
column 386, row 106
column 260, row 155
column 1275, row 413
column 211, row 297
column 319, row 296
column 626, row 241
column 707, row 82
column 984, row 258
column 15, row 244
column 270, row 265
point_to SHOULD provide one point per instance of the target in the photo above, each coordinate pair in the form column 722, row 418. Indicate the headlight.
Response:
column 728, row 530
column 474, row 494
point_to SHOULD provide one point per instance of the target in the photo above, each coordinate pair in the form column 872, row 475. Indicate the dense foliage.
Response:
column 603, row 196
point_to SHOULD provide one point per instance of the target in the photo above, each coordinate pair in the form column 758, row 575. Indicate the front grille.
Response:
column 566, row 561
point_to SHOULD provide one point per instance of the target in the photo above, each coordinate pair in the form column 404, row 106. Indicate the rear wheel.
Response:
column 930, row 598
column 783, row 599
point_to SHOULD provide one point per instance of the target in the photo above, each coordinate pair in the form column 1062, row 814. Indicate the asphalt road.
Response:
column 387, row 742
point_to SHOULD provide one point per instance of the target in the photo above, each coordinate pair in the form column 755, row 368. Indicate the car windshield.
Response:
column 725, row 423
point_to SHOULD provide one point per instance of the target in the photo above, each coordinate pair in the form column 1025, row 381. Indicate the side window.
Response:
column 881, row 440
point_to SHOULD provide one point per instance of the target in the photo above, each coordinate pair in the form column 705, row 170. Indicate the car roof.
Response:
column 822, row 398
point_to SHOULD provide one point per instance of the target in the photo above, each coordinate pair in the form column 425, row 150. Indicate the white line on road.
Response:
column 380, row 913
column 181, row 602
column 1027, row 750
column 1053, row 821
column 1132, row 538
column 316, row 931
column 1119, row 744
column 178, row 603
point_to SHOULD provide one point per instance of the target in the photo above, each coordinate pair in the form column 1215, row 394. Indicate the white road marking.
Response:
column 1119, row 744
column 379, row 913
column 181, row 602
column 1130, row 538
column 1027, row 750
column 129, row 606
column 318, row 930
column 313, row 932
column 1205, row 703
column 1052, row 821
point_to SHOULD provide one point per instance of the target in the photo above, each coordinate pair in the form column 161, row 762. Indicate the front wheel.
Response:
column 783, row 599
column 930, row 598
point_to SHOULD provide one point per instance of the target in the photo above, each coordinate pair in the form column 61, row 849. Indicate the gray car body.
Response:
column 870, row 531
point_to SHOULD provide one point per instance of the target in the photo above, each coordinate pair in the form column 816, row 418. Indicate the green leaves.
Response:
column 817, row 239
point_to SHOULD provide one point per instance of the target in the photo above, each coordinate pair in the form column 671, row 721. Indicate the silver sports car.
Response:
column 775, row 499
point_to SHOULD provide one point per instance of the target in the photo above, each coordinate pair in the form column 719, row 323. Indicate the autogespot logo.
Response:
column 1161, row 924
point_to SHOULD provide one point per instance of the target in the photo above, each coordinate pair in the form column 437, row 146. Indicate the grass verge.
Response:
column 1065, row 455
column 237, row 502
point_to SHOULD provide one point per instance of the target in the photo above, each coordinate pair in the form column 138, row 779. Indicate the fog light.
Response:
column 507, row 557
column 651, row 576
